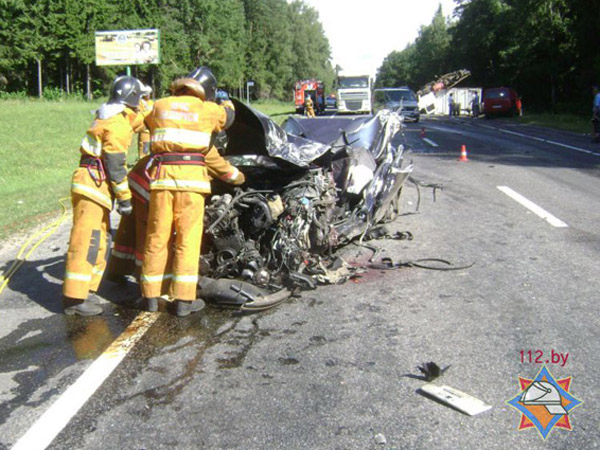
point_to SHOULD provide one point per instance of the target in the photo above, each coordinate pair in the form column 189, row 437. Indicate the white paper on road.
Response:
column 457, row 399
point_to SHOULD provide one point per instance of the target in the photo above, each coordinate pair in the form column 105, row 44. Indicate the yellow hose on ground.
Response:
column 47, row 231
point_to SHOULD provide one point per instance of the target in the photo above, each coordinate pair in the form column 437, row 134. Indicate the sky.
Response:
column 362, row 33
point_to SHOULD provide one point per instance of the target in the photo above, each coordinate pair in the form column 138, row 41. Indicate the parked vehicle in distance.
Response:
column 314, row 88
column 354, row 94
column 401, row 99
column 330, row 101
column 501, row 101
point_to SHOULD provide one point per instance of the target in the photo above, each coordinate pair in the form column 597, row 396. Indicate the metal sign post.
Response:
column 249, row 84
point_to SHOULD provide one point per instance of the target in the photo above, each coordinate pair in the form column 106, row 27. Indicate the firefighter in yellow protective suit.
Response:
column 128, row 247
column 181, row 127
column 308, row 106
column 127, row 253
column 100, row 179
column 146, row 105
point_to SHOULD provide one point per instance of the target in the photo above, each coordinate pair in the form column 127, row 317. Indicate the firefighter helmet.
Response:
column 187, row 86
column 126, row 90
column 206, row 78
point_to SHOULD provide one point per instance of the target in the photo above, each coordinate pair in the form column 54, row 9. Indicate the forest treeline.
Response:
column 271, row 42
column 546, row 49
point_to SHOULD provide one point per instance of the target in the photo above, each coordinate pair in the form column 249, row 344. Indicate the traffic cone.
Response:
column 422, row 133
column 463, row 153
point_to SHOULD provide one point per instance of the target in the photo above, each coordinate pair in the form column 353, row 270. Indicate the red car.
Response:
column 501, row 101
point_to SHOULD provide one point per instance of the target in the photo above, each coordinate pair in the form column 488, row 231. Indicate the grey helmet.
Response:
column 206, row 78
column 126, row 90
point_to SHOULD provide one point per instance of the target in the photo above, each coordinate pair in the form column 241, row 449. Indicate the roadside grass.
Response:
column 567, row 122
column 39, row 151
column 277, row 110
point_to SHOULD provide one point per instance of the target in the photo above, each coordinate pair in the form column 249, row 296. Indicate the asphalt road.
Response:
column 337, row 367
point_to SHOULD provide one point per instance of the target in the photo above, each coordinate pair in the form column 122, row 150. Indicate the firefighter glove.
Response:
column 124, row 207
column 221, row 96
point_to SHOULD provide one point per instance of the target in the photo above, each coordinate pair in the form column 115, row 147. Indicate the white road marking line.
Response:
column 547, row 141
column 47, row 427
column 538, row 210
column 430, row 142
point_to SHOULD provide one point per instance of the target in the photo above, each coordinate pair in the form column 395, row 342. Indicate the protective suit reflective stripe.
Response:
column 91, row 145
column 181, row 184
column 155, row 278
column 231, row 175
column 83, row 190
column 122, row 255
column 78, row 276
column 139, row 189
column 192, row 138
column 122, row 187
column 186, row 278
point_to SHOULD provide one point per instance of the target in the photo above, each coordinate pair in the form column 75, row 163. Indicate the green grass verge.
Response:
column 278, row 111
column 567, row 122
column 39, row 151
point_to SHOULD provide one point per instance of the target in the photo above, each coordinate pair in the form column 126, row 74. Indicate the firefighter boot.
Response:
column 185, row 308
column 150, row 304
column 81, row 307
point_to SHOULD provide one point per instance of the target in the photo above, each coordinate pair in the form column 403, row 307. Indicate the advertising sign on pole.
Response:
column 127, row 47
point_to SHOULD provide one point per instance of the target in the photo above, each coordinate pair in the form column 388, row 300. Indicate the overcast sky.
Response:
column 362, row 33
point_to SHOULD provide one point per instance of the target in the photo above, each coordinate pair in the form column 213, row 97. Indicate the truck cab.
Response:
column 354, row 94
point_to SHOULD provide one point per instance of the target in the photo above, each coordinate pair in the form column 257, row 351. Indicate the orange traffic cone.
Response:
column 422, row 132
column 463, row 153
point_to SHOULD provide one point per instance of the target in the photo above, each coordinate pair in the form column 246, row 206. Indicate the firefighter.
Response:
column 128, row 248
column 100, row 179
column 181, row 127
column 146, row 105
column 308, row 106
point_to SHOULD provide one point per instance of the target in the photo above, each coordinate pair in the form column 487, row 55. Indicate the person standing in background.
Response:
column 596, row 115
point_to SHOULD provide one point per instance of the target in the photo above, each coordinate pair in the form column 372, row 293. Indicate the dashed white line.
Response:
column 538, row 210
column 547, row 141
column 47, row 427
column 430, row 142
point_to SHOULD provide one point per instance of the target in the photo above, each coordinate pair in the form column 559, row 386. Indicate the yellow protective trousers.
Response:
column 175, row 222
column 122, row 255
column 88, row 244
column 127, row 253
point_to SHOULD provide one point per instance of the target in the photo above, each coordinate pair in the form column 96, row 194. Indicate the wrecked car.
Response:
column 312, row 186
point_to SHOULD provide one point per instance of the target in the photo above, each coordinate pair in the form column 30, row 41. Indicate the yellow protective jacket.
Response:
column 144, row 134
column 185, row 124
column 107, row 139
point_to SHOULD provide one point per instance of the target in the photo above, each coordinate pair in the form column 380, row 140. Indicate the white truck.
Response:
column 354, row 94
column 434, row 96
column 438, row 103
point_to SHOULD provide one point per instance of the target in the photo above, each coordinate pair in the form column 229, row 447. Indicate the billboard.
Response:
column 127, row 47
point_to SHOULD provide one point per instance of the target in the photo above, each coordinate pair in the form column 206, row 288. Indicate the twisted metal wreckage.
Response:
column 312, row 186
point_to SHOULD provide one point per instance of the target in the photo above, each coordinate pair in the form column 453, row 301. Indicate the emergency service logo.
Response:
column 544, row 403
